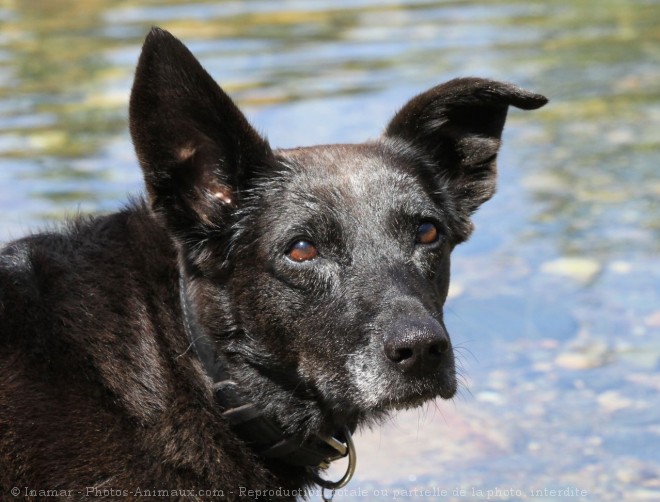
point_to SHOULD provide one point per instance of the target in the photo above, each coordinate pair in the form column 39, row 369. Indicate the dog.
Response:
column 225, row 335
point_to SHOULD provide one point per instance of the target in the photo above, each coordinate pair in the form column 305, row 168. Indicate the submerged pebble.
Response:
column 490, row 397
column 620, row 267
column 612, row 400
column 584, row 354
column 581, row 269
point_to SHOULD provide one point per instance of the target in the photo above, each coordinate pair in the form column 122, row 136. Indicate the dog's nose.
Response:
column 417, row 346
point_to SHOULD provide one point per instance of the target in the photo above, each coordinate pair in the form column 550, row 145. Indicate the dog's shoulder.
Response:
column 86, row 300
column 91, row 344
column 86, row 258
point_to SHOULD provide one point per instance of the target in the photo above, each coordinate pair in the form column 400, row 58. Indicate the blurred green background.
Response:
column 555, row 303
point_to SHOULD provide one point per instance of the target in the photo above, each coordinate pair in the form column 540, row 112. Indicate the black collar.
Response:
column 263, row 435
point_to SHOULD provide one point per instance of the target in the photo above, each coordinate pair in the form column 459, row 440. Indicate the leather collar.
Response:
column 246, row 420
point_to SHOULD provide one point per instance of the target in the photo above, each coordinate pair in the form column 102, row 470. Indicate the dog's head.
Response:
column 321, row 272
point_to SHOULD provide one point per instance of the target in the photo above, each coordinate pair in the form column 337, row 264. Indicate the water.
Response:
column 555, row 305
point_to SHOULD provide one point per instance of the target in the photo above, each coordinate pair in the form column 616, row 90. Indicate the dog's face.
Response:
column 321, row 271
column 346, row 258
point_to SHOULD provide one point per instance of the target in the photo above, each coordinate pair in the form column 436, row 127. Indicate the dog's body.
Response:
column 320, row 274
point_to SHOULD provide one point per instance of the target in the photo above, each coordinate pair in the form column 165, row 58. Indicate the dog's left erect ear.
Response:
column 196, row 148
column 456, row 128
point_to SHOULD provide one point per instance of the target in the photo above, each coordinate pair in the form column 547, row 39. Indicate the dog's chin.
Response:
column 414, row 401
column 377, row 413
column 411, row 394
column 371, row 405
column 356, row 409
column 380, row 389
column 366, row 396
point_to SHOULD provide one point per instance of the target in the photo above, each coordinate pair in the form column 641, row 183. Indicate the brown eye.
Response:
column 302, row 251
column 427, row 233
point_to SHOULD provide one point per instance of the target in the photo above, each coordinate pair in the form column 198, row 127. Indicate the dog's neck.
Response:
column 265, row 436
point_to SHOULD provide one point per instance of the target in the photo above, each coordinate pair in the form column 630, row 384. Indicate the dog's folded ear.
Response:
column 456, row 128
column 197, row 150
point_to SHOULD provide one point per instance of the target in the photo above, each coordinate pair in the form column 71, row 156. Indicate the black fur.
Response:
column 99, row 386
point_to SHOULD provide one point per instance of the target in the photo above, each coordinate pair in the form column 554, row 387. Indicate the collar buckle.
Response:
column 343, row 450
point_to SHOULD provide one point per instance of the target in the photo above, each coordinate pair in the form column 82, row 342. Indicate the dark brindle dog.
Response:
column 231, row 332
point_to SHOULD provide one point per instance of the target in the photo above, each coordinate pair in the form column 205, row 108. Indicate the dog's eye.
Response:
column 427, row 233
column 302, row 251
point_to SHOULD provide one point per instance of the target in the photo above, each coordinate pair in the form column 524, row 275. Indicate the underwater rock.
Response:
column 581, row 269
column 584, row 354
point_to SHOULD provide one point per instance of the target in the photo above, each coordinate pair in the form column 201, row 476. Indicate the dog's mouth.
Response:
column 416, row 392
column 381, row 388
column 421, row 392
column 372, row 405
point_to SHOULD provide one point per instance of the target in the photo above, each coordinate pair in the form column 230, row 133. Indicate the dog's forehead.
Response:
column 337, row 173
